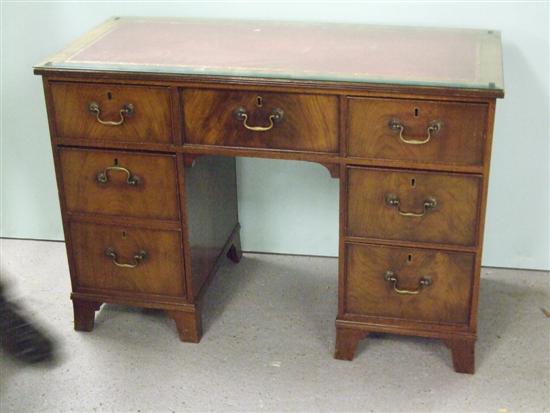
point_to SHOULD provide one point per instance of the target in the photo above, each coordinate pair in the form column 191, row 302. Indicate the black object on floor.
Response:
column 20, row 338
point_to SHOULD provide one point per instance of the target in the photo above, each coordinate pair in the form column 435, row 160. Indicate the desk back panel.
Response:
column 211, row 198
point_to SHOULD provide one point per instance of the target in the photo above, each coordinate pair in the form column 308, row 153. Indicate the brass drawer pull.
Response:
column 433, row 128
column 275, row 116
column 127, row 110
column 138, row 258
column 393, row 201
column 103, row 176
column 390, row 277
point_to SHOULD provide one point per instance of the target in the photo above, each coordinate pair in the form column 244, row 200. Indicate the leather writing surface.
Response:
column 322, row 51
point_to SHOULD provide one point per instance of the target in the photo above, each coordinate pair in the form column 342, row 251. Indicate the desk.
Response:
column 147, row 115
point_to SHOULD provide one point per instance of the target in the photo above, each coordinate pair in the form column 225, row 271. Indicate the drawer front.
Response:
column 261, row 120
column 120, row 183
column 409, row 283
column 417, row 130
column 413, row 206
column 107, row 112
column 127, row 259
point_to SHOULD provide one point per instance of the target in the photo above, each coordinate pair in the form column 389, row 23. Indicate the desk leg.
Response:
column 463, row 352
column 235, row 253
column 188, row 324
column 84, row 314
column 347, row 340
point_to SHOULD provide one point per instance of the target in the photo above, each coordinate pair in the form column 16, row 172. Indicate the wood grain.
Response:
column 309, row 123
column 154, row 196
column 452, row 221
column 461, row 139
column 160, row 273
column 151, row 121
column 447, row 300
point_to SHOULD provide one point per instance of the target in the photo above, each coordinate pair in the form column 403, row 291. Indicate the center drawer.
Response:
column 413, row 206
column 127, row 259
column 298, row 122
column 120, row 183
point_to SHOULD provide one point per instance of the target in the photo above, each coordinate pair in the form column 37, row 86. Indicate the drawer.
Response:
column 104, row 112
column 261, row 120
column 121, row 258
column 409, row 283
column 120, row 183
column 413, row 206
column 417, row 130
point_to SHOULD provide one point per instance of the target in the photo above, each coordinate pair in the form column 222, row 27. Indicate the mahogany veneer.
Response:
column 307, row 123
column 152, row 191
column 459, row 141
column 452, row 220
column 146, row 174
column 159, row 271
column 151, row 116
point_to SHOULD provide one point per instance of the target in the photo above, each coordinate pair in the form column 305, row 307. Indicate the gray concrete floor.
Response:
column 267, row 346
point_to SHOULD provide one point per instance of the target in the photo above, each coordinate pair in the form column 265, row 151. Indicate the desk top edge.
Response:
column 487, row 45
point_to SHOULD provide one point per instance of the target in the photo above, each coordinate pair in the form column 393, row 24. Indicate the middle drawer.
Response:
column 120, row 183
column 413, row 205
column 288, row 121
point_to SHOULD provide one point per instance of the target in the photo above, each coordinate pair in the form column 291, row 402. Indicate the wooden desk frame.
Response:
column 350, row 328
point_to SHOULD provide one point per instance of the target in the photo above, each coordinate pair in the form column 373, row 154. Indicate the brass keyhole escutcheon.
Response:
column 259, row 101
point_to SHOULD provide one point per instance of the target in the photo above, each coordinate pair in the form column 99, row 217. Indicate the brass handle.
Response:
column 103, row 176
column 126, row 110
column 138, row 257
column 390, row 277
column 433, row 128
column 393, row 201
column 275, row 116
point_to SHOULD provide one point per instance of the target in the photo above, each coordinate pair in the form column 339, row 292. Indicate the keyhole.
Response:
column 123, row 234
column 259, row 101
column 409, row 258
column 109, row 95
column 416, row 112
column 116, row 162
column 413, row 182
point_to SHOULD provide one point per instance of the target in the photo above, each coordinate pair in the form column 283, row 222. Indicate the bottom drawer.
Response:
column 408, row 283
column 127, row 259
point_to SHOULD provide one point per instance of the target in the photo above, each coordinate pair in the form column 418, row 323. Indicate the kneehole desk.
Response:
column 147, row 115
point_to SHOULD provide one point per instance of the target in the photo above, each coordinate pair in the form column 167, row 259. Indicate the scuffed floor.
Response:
column 267, row 346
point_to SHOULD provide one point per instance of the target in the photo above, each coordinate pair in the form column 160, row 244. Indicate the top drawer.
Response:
column 261, row 120
column 417, row 130
column 112, row 113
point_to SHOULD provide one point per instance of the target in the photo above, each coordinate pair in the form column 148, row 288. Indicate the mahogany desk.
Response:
column 147, row 115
